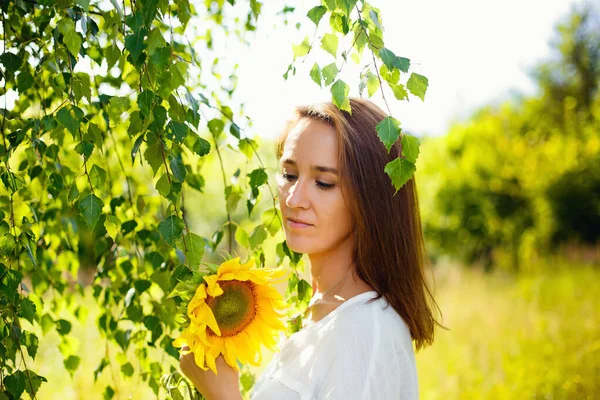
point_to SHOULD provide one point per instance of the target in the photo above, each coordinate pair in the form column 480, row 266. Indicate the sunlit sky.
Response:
column 473, row 52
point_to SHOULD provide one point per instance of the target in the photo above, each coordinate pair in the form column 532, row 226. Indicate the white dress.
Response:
column 357, row 351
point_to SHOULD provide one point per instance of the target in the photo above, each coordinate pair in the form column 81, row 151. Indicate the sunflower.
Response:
column 233, row 313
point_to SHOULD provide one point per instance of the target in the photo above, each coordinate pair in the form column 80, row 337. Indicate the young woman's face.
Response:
column 309, row 189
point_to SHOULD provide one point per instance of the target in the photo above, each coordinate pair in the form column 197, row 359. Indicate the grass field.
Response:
column 515, row 337
column 530, row 336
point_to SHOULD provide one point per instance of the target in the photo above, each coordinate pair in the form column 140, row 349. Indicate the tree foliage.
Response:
column 516, row 181
column 118, row 105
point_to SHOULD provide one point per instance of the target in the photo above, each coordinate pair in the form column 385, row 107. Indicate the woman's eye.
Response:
column 324, row 185
column 321, row 185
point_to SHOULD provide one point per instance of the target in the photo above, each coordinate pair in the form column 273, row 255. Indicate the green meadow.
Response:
column 525, row 336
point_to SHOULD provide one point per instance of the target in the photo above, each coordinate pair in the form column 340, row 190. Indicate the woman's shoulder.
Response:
column 369, row 322
column 368, row 312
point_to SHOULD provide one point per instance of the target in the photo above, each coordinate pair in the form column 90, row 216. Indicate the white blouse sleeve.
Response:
column 370, row 357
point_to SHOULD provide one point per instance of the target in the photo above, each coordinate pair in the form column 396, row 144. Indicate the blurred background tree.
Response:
column 519, row 179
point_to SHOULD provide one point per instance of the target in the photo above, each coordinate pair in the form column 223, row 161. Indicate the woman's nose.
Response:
column 298, row 196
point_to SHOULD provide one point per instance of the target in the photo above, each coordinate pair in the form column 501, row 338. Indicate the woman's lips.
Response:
column 298, row 225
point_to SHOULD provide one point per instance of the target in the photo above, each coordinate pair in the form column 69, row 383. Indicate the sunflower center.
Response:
column 235, row 308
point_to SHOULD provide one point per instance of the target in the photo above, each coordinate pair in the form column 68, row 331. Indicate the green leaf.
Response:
column 391, row 76
column 339, row 92
column 255, row 6
column 160, row 117
column 118, row 105
column 315, row 74
column 234, row 130
column 399, row 91
column 392, row 61
column 135, row 44
column 97, row 176
column 195, row 181
column 63, row 327
column 372, row 83
column 15, row 383
column 155, row 40
column 153, row 155
column 178, row 169
column 91, row 209
column 388, row 58
column 410, row 147
column 24, row 81
column 161, row 57
column 301, row 49
column 112, row 53
column 316, row 13
column 271, row 219
column 149, row 8
column 399, row 171
column 347, row 6
column 31, row 342
column 195, row 249
column 241, row 237
column 177, row 131
column 329, row 73
column 233, row 194
column 258, row 236
column 163, row 186
column 70, row 117
column 112, row 225
column 171, row 229
column 136, row 147
column 403, row 64
column 329, row 43
column 11, row 62
column 27, row 309
column 201, row 147
column 417, row 84
column 247, row 147
column 176, row 110
column 103, row 364
column 135, row 123
column 47, row 323
column 73, row 193
column 81, row 86
column 127, row 369
column 36, row 381
column 73, row 42
column 215, row 126
column 388, row 131
column 145, row 101
column 304, row 290
column 8, row 243
column 375, row 18
column 258, row 177
column 72, row 363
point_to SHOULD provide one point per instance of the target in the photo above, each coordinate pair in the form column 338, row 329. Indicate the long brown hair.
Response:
column 390, row 253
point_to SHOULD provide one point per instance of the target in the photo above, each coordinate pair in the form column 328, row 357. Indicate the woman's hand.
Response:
column 224, row 386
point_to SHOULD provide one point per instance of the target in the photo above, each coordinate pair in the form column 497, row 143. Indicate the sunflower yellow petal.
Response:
column 228, row 276
column 211, row 356
column 211, row 321
column 230, row 353
column 229, row 266
column 213, row 289
column 181, row 341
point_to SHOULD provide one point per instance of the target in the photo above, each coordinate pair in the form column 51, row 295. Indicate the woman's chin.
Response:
column 297, row 245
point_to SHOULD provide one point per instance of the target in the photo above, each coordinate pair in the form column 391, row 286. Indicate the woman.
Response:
column 366, row 252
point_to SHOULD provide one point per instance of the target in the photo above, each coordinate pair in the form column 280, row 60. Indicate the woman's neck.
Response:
column 331, row 268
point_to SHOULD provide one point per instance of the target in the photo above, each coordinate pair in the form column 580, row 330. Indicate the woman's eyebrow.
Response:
column 320, row 168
